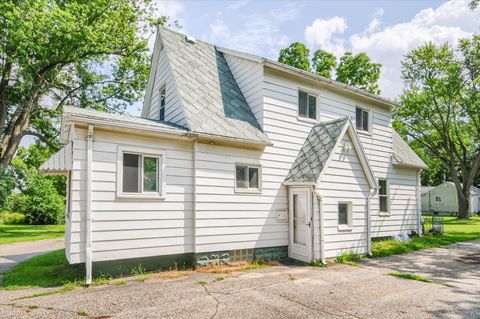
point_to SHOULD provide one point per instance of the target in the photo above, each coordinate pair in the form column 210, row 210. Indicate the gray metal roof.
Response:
column 403, row 155
column 315, row 151
column 211, row 98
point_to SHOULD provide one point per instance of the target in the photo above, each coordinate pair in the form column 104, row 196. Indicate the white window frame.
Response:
column 369, row 120
column 387, row 213
column 309, row 93
column 144, row 152
column 163, row 87
column 349, row 225
column 248, row 190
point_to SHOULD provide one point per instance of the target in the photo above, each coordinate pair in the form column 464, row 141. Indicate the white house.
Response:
column 235, row 156
column 443, row 199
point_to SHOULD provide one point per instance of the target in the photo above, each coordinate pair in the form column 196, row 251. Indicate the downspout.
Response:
column 373, row 192
column 88, row 220
column 419, row 204
column 322, row 231
column 194, row 194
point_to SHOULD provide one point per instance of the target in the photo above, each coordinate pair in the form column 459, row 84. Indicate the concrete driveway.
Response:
column 13, row 254
column 286, row 291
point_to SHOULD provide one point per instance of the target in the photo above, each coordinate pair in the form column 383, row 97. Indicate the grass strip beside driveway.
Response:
column 456, row 230
column 17, row 233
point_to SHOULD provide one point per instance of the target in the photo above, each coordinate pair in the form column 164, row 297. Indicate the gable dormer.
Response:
column 193, row 82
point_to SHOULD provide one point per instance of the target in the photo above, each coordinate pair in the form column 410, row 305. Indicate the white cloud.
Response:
column 169, row 8
column 258, row 33
column 375, row 23
column 388, row 45
column 323, row 32
column 237, row 4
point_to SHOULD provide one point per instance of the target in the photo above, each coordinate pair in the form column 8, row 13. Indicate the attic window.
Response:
column 307, row 105
column 161, row 116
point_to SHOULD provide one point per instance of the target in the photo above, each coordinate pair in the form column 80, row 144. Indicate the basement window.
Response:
column 140, row 173
column 247, row 178
column 362, row 120
column 307, row 105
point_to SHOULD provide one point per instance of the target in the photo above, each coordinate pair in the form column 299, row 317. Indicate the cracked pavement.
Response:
column 284, row 291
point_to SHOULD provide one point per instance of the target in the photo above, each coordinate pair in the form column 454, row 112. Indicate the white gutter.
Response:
column 88, row 220
column 322, row 231
column 373, row 192
column 419, row 204
column 194, row 194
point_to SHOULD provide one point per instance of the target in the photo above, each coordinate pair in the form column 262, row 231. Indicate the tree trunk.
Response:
column 463, row 204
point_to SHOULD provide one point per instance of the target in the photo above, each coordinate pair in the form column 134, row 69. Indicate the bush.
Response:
column 13, row 219
column 43, row 205
column 16, row 202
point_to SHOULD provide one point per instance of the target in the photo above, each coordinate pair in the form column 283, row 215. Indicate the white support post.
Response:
column 88, row 220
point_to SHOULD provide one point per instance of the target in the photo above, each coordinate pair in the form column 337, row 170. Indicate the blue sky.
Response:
column 386, row 30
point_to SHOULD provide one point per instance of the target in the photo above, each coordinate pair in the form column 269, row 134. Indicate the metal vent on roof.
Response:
column 190, row 39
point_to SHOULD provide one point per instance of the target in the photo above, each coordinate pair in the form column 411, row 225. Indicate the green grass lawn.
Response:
column 456, row 230
column 16, row 233
column 48, row 270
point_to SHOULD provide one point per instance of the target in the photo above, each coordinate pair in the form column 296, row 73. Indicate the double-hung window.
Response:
column 362, row 120
column 161, row 106
column 307, row 105
column 140, row 173
column 247, row 178
column 383, row 194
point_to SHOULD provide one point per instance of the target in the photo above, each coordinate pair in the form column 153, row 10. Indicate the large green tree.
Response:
column 356, row 70
column 296, row 55
column 440, row 109
column 359, row 71
column 324, row 63
column 90, row 54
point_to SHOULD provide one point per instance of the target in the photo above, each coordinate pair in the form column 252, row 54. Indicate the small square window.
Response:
column 141, row 173
column 307, row 105
column 362, row 119
column 247, row 177
column 438, row 199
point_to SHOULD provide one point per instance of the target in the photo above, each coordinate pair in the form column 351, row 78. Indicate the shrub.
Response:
column 16, row 202
column 13, row 218
column 43, row 205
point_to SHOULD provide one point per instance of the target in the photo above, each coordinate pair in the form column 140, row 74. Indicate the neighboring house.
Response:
column 235, row 157
column 443, row 199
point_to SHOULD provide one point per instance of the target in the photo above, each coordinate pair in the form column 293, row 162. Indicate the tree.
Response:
column 359, row 71
column 440, row 109
column 473, row 4
column 324, row 63
column 296, row 55
column 90, row 54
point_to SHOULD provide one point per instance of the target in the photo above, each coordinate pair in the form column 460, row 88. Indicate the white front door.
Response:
column 300, row 224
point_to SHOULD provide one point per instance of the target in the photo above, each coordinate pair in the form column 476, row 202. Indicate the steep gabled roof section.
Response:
column 403, row 155
column 212, row 101
column 318, row 149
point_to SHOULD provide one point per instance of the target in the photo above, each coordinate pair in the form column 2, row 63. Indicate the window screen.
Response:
column 361, row 119
column 383, row 195
column 343, row 213
column 307, row 105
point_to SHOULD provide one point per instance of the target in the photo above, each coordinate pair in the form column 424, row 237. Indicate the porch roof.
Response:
column 59, row 163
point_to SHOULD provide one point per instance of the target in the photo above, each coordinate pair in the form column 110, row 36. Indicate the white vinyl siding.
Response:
column 130, row 227
column 288, row 134
column 353, row 190
column 249, row 77
column 164, row 80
